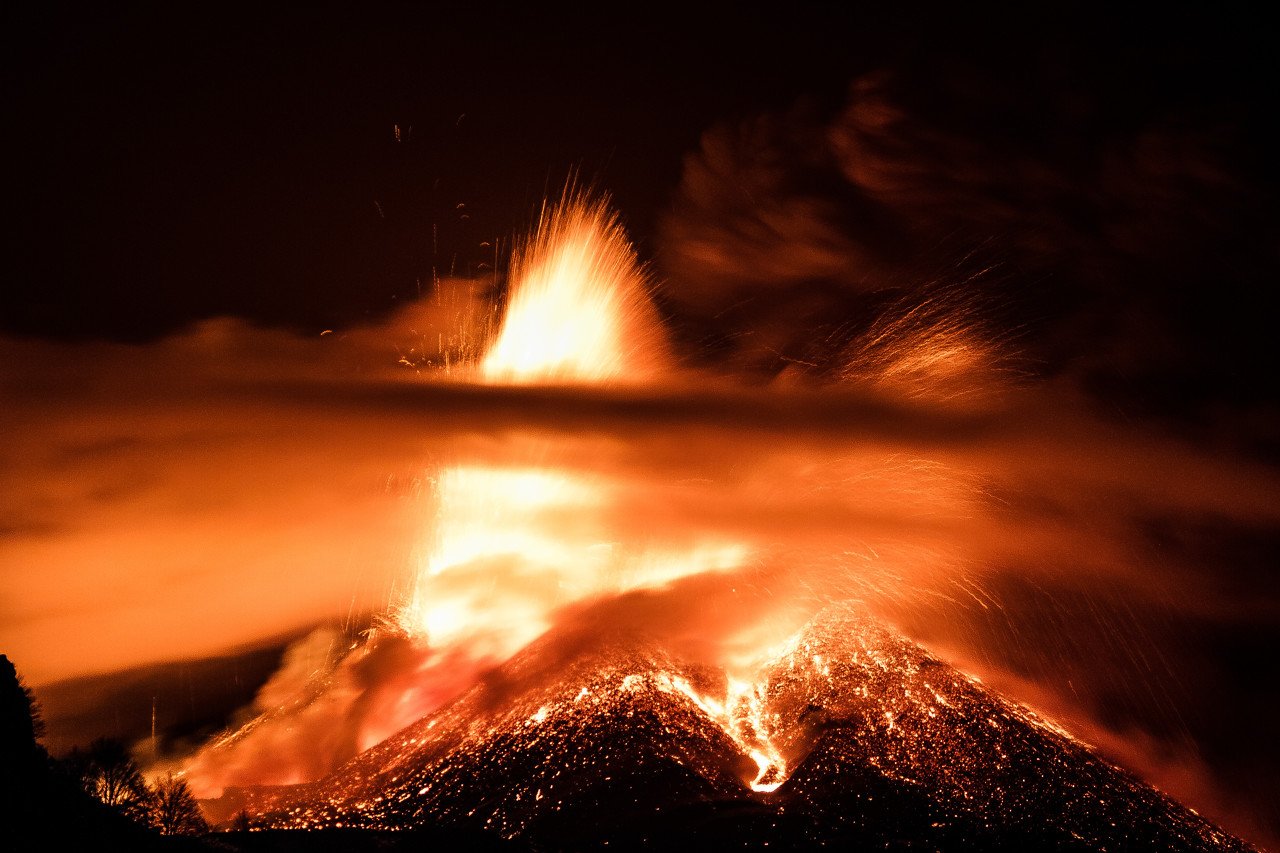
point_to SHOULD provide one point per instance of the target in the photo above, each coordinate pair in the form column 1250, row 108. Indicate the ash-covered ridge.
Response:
column 885, row 745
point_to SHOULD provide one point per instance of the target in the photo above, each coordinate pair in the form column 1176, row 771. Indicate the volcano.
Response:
column 593, row 650
column 874, row 742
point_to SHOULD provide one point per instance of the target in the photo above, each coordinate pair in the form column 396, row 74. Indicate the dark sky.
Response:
column 177, row 164
column 172, row 162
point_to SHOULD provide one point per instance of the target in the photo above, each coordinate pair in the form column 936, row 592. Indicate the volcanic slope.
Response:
column 890, row 742
column 887, row 747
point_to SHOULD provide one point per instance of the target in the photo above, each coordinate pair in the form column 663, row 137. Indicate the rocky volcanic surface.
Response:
column 883, row 746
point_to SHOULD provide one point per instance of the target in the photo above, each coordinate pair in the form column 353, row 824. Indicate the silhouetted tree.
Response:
column 42, row 803
column 20, row 722
column 108, row 772
column 174, row 810
column 23, row 762
column 241, row 822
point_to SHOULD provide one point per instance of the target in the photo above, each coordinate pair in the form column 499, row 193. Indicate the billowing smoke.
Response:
column 1108, row 238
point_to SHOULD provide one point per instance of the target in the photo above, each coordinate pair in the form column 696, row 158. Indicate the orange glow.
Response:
column 513, row 545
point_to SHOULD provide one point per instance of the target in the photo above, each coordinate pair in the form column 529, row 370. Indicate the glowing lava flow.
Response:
column 742, row 717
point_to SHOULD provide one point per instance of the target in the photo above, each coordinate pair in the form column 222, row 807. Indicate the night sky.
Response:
column 1102, row 191
column 177, row 165
column 172, row 164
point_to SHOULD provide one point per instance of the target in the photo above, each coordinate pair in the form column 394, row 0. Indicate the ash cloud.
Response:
column 1116, row 236
column 141, row 479
column 231, row 484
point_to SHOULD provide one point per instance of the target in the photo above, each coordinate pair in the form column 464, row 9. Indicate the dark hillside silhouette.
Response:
column 44, row 805
column 41, row 805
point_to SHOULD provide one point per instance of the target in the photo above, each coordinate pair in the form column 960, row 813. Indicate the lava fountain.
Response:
column 578, row 309
column 514, row 545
